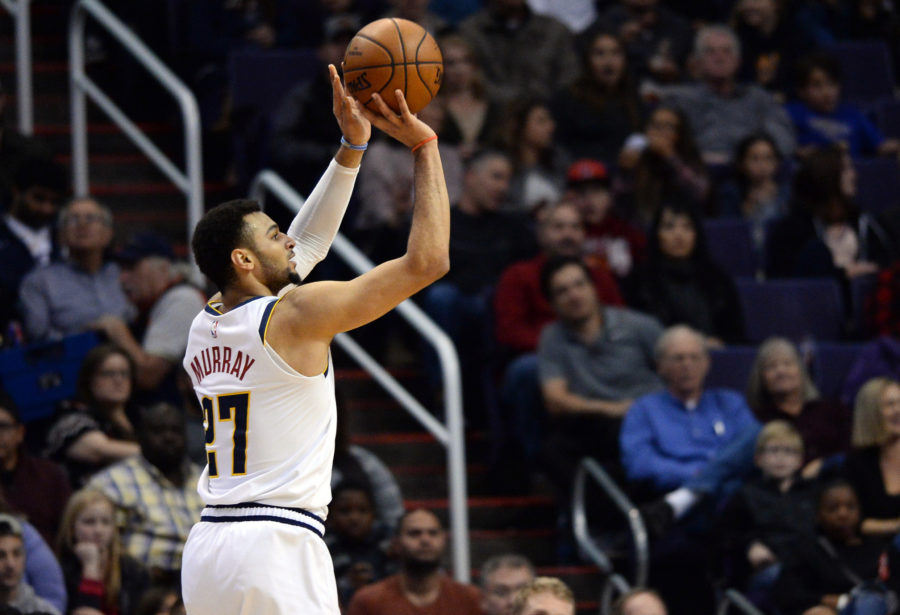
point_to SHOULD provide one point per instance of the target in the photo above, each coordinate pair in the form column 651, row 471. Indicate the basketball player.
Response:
column 261, row 367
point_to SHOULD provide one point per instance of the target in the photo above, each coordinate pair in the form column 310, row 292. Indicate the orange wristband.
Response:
column 423, row 142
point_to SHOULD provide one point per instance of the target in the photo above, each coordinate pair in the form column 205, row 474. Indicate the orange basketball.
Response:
column 391, row 54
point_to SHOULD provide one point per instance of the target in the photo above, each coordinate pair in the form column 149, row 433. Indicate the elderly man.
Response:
column 669, row 436
column 721, row 111
column 67, row 296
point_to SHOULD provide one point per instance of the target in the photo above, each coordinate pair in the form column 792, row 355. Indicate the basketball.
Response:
column 393, row 54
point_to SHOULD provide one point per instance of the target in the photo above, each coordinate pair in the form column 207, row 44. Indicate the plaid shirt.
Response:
column 155, row 515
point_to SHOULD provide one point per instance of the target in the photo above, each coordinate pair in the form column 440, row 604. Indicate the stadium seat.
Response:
column 878, row 184
column 798, row 309
column 831, row 362
column 866, row 69
column 730, row 367
column 731, row 246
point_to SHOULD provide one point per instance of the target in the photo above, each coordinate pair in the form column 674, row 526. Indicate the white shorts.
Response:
column 258, row 560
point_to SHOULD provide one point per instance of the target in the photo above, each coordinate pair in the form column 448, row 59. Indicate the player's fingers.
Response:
column 385, row 111
column 401, row 102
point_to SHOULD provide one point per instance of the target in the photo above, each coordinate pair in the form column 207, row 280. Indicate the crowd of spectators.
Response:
column 587, row 147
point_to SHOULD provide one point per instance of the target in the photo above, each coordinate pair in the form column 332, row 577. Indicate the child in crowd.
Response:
column 820, row 118
column 358, row 545
column 837, row 569
column 762, row 523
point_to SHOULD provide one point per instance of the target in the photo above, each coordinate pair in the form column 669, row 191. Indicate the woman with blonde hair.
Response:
column 98, row 574
column 873, row 468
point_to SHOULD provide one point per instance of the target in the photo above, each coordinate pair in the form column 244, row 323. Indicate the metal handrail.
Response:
column 190, row 181
column 449, row 434
column 615, row 585
column 590, row 467
column 21, row 12
column 733, row 597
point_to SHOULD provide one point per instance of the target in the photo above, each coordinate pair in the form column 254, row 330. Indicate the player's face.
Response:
column 839, row 512
column 677, row 235
column 95, row 524
column 821, row 92
column 780, row 459
column 274, row 250
column 11, row 436
column 422, row 539
column 351, row 514
column 501, row 587
column 12, row 562
column 562, row 233
column 547, row 604
column 890, row 410
column 574, row 298
column 781, row 372
column 111, row 384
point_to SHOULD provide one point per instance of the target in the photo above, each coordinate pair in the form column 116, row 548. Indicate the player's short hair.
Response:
column 553, row 265
column 778, row 431
column 506, row 560
column 543, row 585
column 221, row 230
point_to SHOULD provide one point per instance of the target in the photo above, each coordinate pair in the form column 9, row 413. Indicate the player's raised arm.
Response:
column 324, row 309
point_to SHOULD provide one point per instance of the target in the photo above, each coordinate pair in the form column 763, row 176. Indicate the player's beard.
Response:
column 276, row 279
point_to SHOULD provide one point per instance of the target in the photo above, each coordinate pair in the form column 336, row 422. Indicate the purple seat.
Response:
column 831, row 363
column 731, row 246
column 730, row 367
column 798, row 309
column 866, row 69
column 877, row 184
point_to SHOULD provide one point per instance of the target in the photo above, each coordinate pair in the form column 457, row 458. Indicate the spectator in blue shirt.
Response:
column 669, row 436
column 821, row 119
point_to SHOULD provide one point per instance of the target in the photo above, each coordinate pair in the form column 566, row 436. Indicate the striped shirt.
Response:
column 155, row 516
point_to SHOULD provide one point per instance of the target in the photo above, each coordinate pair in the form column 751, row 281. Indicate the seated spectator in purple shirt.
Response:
column 65, row 297
column 821, row 119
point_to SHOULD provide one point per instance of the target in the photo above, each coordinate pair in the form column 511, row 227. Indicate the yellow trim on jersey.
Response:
column 269, row 318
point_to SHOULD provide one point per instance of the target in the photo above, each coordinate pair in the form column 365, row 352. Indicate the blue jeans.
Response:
column 523, row 422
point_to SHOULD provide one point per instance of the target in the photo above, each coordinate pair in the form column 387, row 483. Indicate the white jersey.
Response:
column 269, row 429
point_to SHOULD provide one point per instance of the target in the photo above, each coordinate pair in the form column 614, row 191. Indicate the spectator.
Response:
column 418, row 11
column 14, row 591
column 722, row 111
column 756, row 191
column 545, row 595
column 484, row 242
column 522, row 54
column 658, row 40
column 601, row 108
column 539, row 165
column 14, row 148
column 659, row 165
column 99, row 575
column 357, row 543
column 359, row 465
column 502, row 578
column 668, row 436
column 680, row 283
column 610, row 239
column 520, row 307
column 874, row 465
column 472, row 117
column 26, row 231
column 67, row 296
column 155, row 493
column 420, row 585
column 166, row 305
column 592, row 363
column 640, row 601
column 94, row 429
column 576, row 14
column 821, row 236
column 304, row 133
column 34, row 487
column 769, row 39
column 821, row 119
column 822, row 571
column 158, row 600
column 762, row 523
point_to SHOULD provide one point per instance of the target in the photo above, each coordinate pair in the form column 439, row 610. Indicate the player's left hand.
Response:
column 355, row 127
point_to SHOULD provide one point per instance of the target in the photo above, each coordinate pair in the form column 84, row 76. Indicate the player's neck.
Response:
column 237, row 294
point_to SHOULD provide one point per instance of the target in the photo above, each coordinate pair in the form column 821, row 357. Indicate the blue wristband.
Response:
column 359, row 148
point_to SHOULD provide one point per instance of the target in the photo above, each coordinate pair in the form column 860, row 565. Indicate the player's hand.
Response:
column 355, row 126
column 403, row 126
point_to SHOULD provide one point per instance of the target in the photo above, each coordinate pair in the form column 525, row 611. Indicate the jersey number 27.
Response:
column 231, row 407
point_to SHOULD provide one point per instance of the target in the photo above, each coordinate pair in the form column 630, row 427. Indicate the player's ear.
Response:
column 242, row 259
